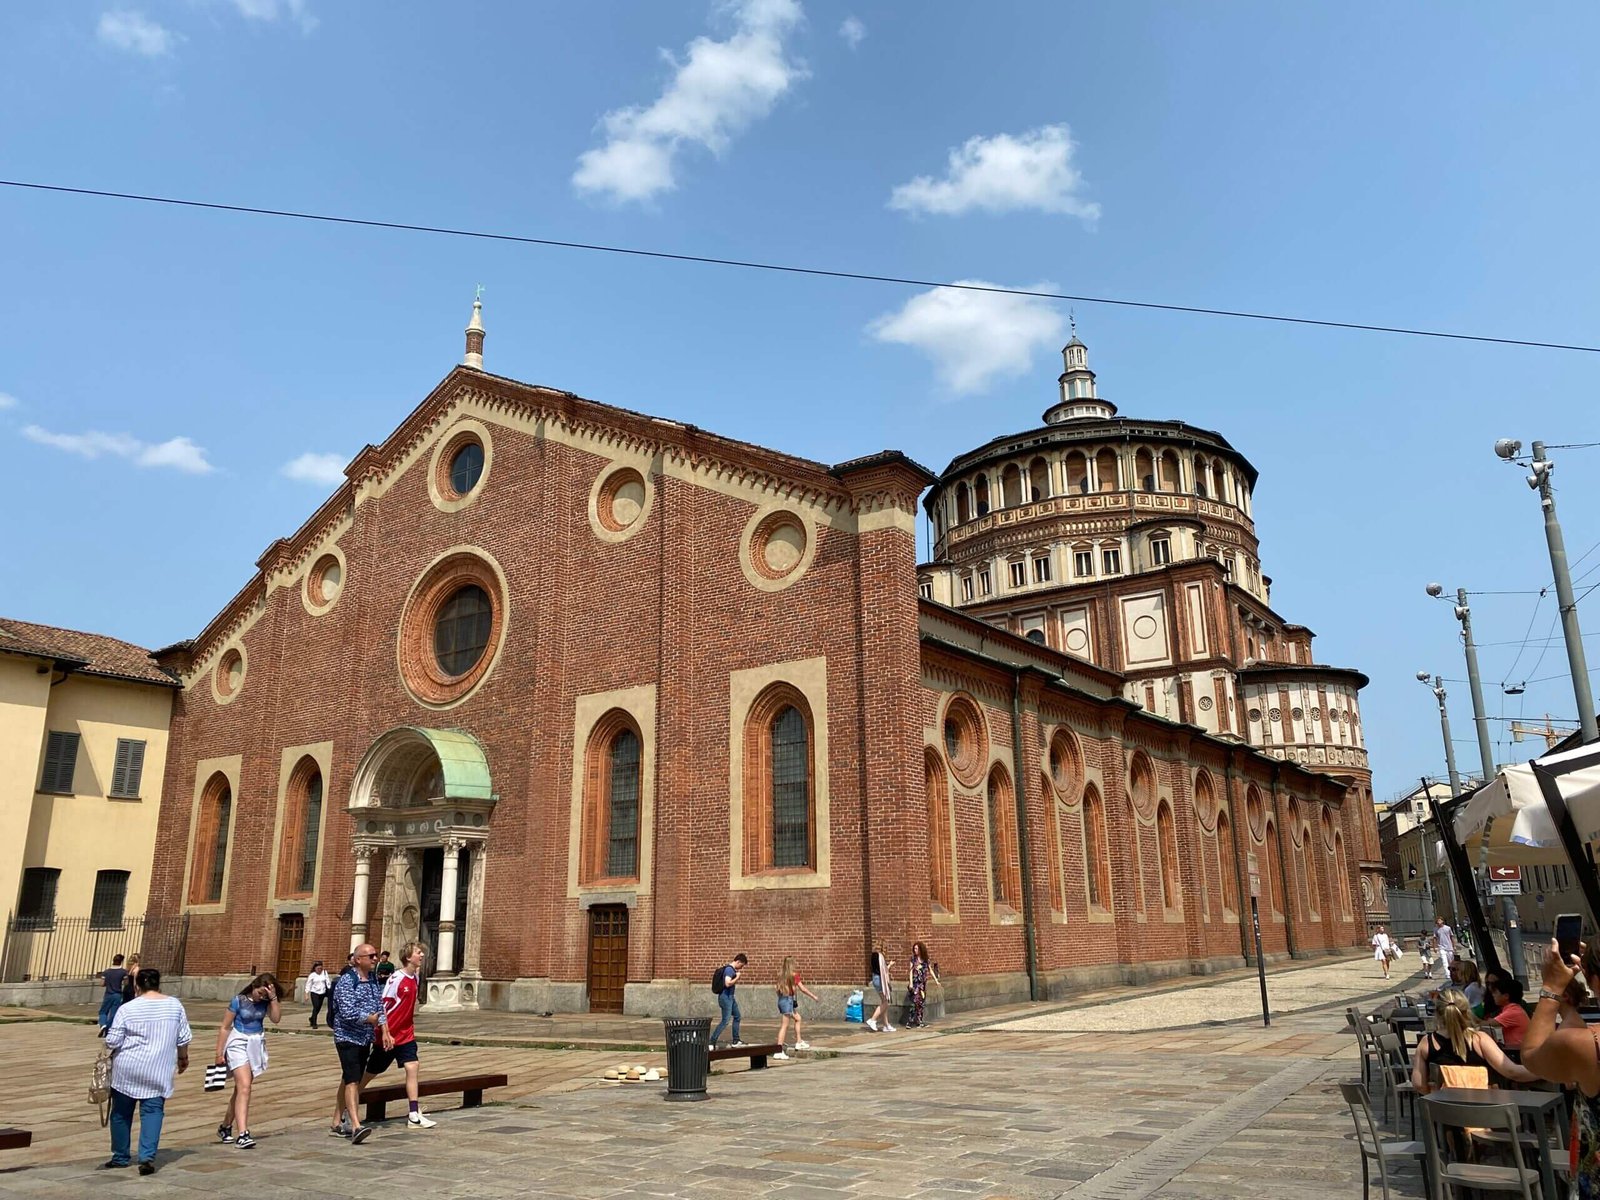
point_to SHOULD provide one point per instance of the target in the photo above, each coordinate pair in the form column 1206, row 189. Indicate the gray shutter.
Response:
column 60, row 762
column 135, row 767
column 119, row 773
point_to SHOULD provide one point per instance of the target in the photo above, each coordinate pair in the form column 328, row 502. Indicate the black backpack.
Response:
column 332, row 1007
column 718, row 978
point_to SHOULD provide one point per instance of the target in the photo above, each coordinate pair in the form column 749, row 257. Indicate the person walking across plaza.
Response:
column 883, row 983
column 724, row 981
column 1445, row 938
column 149, row 1043
column 399, row 1011
column 922, row 970
column 317, row 984
column 242, row 1047
column 1383, row 949
column 112, row 977
column 357, row 1021
column 790, row 988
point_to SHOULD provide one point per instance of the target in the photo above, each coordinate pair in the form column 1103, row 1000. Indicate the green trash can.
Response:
column 688, row 1057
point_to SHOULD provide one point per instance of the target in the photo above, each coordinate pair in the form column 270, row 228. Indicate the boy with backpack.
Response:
column 723, row 981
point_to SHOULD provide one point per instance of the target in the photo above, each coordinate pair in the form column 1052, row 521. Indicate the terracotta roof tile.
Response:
column 90, row 653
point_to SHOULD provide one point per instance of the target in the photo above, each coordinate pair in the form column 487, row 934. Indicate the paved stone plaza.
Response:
column 1130, row 1097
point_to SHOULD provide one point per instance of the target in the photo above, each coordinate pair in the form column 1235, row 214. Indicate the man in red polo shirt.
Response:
column 399, row 1011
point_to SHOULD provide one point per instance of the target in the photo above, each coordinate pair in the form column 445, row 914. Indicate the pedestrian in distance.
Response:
column 1425, row 952
column 242, row 1047
column 149, row 1043
column 922, row 970
column 317, row 984
column 1445, row 938
column 129, row 981
column 399, row 1012
column 385, row 967
column 112, row 977
column 356, row 1017
column 790, row 988
column 880, row 966
column 723, row 982
column 1383, row 949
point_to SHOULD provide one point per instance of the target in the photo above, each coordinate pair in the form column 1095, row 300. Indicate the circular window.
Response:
column 1298, row 714
column 1275, row 715
column 1255, row 714
column 965, row 741
column 1035, row 635
column 1077, row 640
column 621, row 499
column 1205, row 703
column 779, row 545
column 466, row 467
column 1066, row 765
column 452, row 627
column 228, row 675
column 324, row 582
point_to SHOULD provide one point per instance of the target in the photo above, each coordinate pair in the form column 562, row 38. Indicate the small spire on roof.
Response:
column 474, row 356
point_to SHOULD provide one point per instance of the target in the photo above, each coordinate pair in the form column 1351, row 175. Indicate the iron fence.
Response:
column 69, row 948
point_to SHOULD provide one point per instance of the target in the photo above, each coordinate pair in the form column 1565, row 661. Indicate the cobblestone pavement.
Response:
column 1197, row 1112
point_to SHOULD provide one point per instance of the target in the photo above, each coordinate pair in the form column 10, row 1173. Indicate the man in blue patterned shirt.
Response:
column 357, row 1019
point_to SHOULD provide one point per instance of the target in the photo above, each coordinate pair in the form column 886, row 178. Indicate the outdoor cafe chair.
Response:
column 1374, row 1148
column 1397, row 1080
column 1365, row 1041
column 1449, row 1173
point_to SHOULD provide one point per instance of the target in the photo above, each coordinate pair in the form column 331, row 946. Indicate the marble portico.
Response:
column 421, row 805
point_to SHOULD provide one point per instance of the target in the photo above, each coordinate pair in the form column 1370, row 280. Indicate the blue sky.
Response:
column 1426, row 164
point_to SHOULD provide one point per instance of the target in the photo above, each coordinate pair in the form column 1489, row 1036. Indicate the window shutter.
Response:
column 129, row 771
column 119, row 773
column 60, row 762
column 135, row 767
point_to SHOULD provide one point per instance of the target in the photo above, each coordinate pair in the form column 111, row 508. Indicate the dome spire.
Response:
column 1079, row 398
column 474, row 356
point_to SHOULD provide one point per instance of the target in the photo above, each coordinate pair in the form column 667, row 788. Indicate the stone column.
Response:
column 358, row 899
column 446, row 963
column 471, row 948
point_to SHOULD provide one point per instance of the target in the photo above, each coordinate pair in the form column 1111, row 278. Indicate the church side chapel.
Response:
column 585, row 700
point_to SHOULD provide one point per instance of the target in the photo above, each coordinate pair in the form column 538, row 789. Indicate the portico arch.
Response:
column 422, row 799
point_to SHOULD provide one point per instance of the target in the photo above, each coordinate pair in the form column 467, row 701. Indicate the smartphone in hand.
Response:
column 1569, row 931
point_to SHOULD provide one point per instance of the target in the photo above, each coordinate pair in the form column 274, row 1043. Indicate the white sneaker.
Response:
column 739, row 1045
column 872, row 1025
column 781, row 1055
column 888, row 1028
column 417, row 1121
column 802, row 1045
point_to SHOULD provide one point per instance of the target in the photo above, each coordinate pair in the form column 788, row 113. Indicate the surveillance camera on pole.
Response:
column 1423, row 676
column 1508, row 448
column 1435, row 590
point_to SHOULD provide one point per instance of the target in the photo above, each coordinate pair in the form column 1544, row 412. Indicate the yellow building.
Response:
column 83, row 748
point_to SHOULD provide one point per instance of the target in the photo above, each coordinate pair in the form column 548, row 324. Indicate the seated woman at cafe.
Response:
column 1460, row 1043
column 1464, row 974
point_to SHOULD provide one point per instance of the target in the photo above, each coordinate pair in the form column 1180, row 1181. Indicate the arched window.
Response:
column 1167, row 847
column 1011, row 485
column 1342, row 874
column 1038, row 480
column 1308, row 850
column 1219, row 484
column 301, row 830
column 980, row 491
column 1076, row 467
column 1200, row 474
column 941, row 846
column 780, row 813
column 1105, row 470
column 1005, row 872
column 1272, row 876
column 1227, row 868
column 963, row 505
column 1144, row 470
column 611, row 789
column 210, row 865
column 1096, row 855
column 1167, row 471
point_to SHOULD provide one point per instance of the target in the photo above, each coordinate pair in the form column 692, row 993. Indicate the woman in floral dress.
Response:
column 921, row 971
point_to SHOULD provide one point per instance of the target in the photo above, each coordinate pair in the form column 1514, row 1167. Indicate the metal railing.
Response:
column 79, row 948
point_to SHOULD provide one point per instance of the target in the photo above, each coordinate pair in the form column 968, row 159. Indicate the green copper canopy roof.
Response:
column 466, row 771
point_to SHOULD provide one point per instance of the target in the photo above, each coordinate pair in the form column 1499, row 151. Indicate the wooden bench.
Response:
column 471, row 1088
column 756, row 1054
column 15, row 1139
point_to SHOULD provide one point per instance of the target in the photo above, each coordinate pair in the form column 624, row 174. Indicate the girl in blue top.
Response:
column 242, row 1046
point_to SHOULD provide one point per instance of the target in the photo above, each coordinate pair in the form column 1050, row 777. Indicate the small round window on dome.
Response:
column 466, row 467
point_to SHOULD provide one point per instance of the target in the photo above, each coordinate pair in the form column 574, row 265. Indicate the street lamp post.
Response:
column 1508, row 906
column 1436, row 686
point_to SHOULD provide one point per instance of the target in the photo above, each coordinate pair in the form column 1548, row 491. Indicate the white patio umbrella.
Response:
column 1524, row 830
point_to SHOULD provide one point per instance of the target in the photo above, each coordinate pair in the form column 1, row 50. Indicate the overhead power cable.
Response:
column 788, row 268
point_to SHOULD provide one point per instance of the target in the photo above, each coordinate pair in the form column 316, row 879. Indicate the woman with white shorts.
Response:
column 242, row 1046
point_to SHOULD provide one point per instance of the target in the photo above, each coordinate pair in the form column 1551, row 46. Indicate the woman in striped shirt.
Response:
column 149, row 1043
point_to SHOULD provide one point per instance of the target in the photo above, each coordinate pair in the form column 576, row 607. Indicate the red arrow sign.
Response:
column 1503, row 874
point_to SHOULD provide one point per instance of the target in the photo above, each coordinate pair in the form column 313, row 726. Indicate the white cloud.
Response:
column 310, row 467
column 1002, row 174
column 717, row 90
column 852, row 31
column 7, row 400
column 179, row 453
column 271, row 10
column 974, row 338
column 136, row 33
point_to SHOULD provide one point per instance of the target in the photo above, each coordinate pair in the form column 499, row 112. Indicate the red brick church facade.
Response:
column 589, row 699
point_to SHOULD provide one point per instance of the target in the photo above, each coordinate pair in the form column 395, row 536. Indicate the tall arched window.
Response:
column 1076, row 467
column 1053, row 819
column 1105, row 469
column 1342, row 874
column 963, row 505
column 779, row 807
column 209, row 868
column 1096, row 854
column 1167, row 847
column 1038, row 480
column 980, row 493
column 611, row 790
column 1005, row 872
column 1167, row 472
column 1272, row 876
column 941, row 846
column 1308, row 850
column 301, row 830
column 1011, row 485
column 1144, row 470
column 1226, row 867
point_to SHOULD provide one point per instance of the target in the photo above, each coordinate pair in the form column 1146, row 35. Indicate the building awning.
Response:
column 461, row 759
column 1524, row 830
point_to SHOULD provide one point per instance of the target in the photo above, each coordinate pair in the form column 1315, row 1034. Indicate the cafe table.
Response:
column 1540, row 1105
